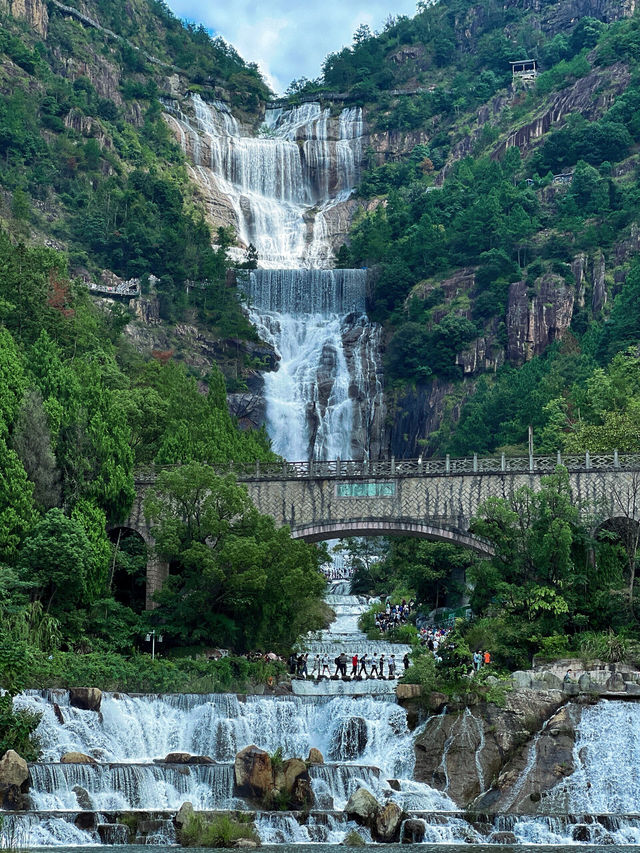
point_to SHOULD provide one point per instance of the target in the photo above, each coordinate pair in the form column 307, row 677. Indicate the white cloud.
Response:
column 288, row 38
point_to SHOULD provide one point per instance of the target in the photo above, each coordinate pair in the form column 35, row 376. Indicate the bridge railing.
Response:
column 394, row 468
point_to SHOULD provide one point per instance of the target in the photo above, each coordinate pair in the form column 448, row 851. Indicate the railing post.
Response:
column 559, row 458
column 503, row 462
column 284, row 466
column 616, row 460
column 338, row 466
column 393, row 466
column 587, row 461
column 311, row 467
column 475, row 462
column 257, row 469
column 531, row 463
column 447, row 464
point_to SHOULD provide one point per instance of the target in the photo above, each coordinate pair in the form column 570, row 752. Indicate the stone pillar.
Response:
column 157, row 573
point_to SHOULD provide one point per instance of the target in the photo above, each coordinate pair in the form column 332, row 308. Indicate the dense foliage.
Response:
column 79, row 412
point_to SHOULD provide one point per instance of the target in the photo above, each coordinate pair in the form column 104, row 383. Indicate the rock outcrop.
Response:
column 34, row 12
column 383, row 821
column 480, row 740
column 258, row 779
column 87, row 698
column 14, row 780
column 77, row 758
column 536, row 320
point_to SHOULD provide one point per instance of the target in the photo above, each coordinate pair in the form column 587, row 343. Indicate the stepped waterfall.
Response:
column 286, row 190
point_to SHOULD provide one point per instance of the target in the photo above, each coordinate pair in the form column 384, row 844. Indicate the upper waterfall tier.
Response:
column 279, row 184
column 306, row 291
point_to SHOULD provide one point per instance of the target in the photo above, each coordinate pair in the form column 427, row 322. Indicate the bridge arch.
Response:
column 319, row 531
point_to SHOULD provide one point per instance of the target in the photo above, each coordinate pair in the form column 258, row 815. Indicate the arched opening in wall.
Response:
column 433, row 573
column 129, row 568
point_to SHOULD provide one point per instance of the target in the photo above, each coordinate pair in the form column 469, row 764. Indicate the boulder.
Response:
column 86, row 698
column 14, row 780
column 521, row 679
column 244, row 844
column 184, row 815
column 187, row 758
column 436, row 701
column 408, row 691
column 615, row 683
column 584, row 681
column 362, row 807
column 77, row 758
column 253, row 772
column 292, row 769
column 301, row 796
column 387, row 823
column 552, row 681
column 632, row 688
column 502, row 838
column 315, row 756
column 85, row 820
column 581, row 832
column 83, row 798
column 413, row 831
column 349, row 739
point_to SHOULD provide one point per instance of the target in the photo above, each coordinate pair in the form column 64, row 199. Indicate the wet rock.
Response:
column 58, row 713
column 83, row 798
column 552, row 681
column 14, row 780
column 362, row 807
column 349, row 739
column 315, row 756
column 387, row 823
column 187, row 758
column 580, row 832
column 184, row 815
column 408, row 691
column 413, row 831
column 245, row 844
column 85, row 820
column 77, row 758
column 394, row 784
column 86, row 698
column 253, row 772
column 502, row 838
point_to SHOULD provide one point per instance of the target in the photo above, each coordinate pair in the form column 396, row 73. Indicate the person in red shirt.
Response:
column 486, row 658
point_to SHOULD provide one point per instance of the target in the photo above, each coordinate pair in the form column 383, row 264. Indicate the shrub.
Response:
column 220, row 831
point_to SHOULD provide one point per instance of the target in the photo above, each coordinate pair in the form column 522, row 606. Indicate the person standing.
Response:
column 381, row 666
column 315, row 670
column 392, row 667
column 374, row 666
column 354, row 666
column 343, row 664
column 363, row 666
column 486, row 658
column 325, row 664
column 477, row 660
column 405, row 661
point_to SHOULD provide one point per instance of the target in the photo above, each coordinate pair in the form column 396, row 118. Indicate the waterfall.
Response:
column 279, row 182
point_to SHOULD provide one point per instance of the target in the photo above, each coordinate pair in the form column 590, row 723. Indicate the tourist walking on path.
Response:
column 486, row 658
column 381, row 666
column 363, row 666
column 477, row 661
column 374, row 666
column 392, row 666
column 315, row 670
column 405, row 661
column 354, row 666
column 325, row 665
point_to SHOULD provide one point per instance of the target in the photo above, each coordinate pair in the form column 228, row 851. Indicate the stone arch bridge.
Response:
column 433, row 498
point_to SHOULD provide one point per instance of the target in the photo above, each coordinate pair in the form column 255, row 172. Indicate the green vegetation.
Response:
column 79, row 412
column 221, row 830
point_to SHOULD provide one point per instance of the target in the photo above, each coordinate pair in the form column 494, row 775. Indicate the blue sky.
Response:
column 289, row 38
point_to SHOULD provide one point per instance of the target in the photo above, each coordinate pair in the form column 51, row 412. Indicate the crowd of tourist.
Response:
column 394, row 615
column 357, row 667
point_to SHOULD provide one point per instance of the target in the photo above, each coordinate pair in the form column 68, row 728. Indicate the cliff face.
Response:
column 534, row 322
column 462, row 753
column 34, row 12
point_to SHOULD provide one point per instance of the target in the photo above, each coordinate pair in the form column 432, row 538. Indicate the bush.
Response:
column 16, row 730
column 220, row 831
column 604, row 645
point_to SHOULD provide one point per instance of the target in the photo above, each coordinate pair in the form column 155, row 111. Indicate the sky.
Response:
column 288, row 38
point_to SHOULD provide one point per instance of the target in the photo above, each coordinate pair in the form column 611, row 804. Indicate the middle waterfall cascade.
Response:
column 325, row 399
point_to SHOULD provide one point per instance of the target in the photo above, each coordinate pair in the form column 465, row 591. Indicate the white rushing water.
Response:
column 281, row 182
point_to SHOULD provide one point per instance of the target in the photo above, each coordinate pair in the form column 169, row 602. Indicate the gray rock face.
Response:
column 349, row 740
column 362, row 807
column 535, row 322
column 480, row 741
column 87, row 698
column 413, row 831
column 387, row 823
column 14, row 780
column 184, row 815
